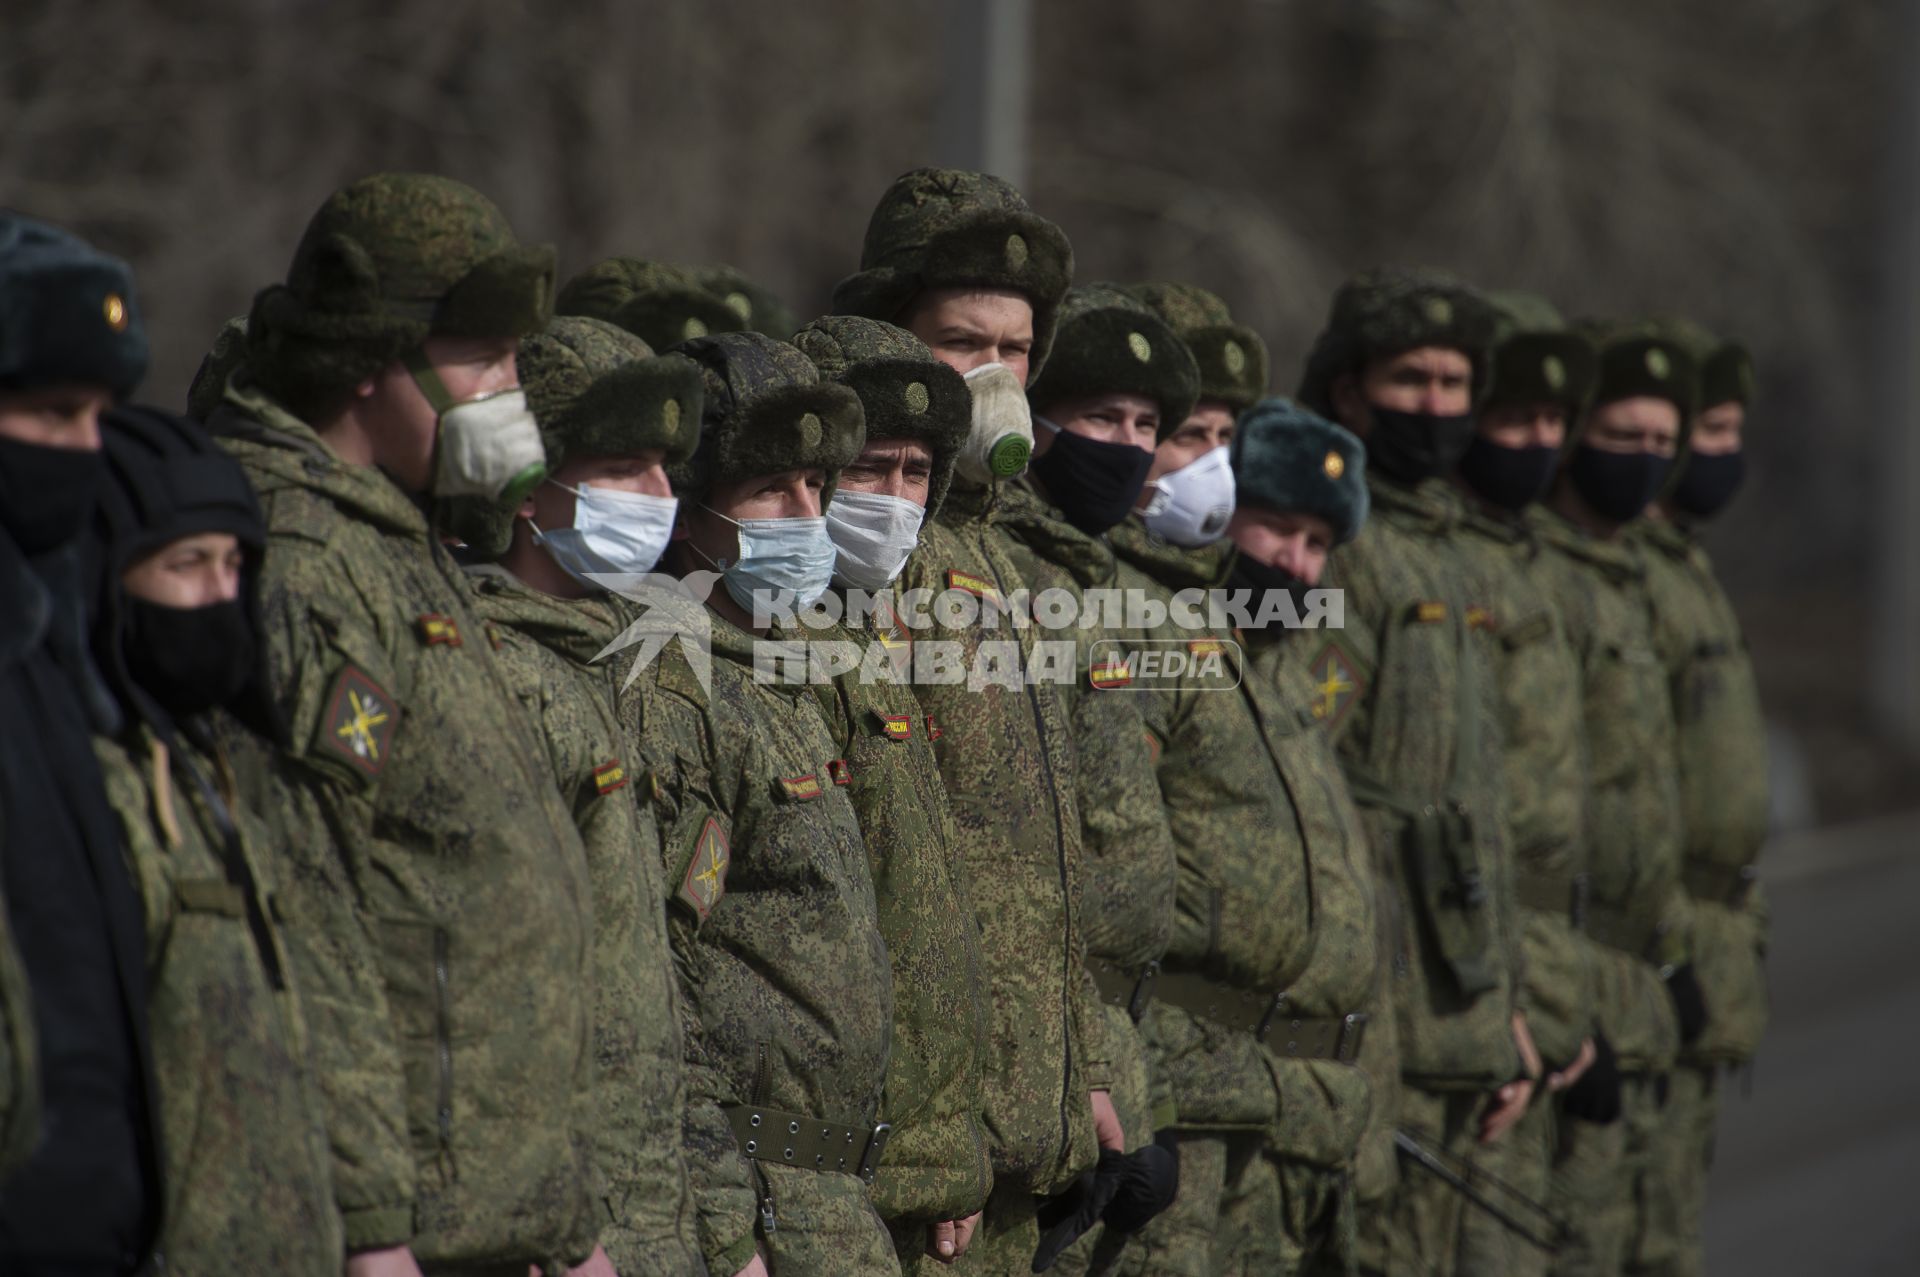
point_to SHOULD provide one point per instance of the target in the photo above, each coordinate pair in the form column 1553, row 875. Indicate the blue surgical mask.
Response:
column 791, row 556
column 613, row 532
column 874, row 534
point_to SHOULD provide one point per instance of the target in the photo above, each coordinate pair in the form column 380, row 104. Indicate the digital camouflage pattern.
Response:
column 936, row 1164
column 1006, row 755
column 19, row 1057
column 441, row 921
column 777, row 944
column 661, row 304
column 1232, row 358
column 244, row 1150
column 546, row 649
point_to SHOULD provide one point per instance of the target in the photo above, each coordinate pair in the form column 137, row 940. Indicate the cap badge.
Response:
column 1335, row 465
column 916, row 397
column 114, row 307
column 1016, row 252
column 1554, row 372
column 1658, row 364
column 1234, row 358
column 809, row 429
column 693, row 328
column 741, row 305
column 1439, row 311
column 1142, row 349
column 670, row 415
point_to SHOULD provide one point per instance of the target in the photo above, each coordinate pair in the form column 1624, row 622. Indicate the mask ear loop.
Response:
column 435, row 391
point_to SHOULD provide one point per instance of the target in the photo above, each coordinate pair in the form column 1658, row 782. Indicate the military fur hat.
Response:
column 227, row 355
column 1289, row 459
column 1232, row 358
column 767, row 411
column 386, row 263
column 905, row 393
column 1726, row 367
column 949, row 228
column 1387, row 312
column 1536, row 359
column 1108, row 342
column 660, row 304
column 759, row 308
column 68, row 312
column 1636, row 359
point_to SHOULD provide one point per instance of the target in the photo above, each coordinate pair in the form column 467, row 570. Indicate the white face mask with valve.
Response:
column 874, row 534
column 613, row 532
column 1001, row 439
column 488, row 446
column 1191, row 506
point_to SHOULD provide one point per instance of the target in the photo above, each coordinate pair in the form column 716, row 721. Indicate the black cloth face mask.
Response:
column 1618, row 485
column 189, row 659
column 1709, row 482
column 47, row 494
column 1510, row 478
column 1412, row 446
column 1093, row 482
column 1264, row 579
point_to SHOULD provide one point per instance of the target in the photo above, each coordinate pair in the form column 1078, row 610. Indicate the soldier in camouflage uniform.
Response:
column 775, row 929
column 244, row 1151
column 441, row 912
column 1612, row 468
column 1408, row 697
column 959, row 260
column 662, row 305
column 1540, row 379
column 610, row 417
column 935, row 1179
column 759, row 307
column 1721, row 750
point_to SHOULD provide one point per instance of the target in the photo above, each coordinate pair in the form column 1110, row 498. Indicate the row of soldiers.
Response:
column 366, row 908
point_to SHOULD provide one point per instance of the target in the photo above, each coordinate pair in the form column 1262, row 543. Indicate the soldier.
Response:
column 774, row 925
column 179, row 542
column 441, row 914
column 660, row 304
column 1644, row 991
column 610, row 418
column 71, row 343
column 935, row 1179
column 1721, row 749
column 1540, row 379
column 959, row 260
column 1408, row 700
column 758, row 306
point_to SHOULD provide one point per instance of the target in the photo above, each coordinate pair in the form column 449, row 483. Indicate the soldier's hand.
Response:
column 947, row 1240
column 1106, row 1122
column 1510, row 1101
column 597, row 1265
column 1582, row 1061
column 396, row 1261
column 756, row 1267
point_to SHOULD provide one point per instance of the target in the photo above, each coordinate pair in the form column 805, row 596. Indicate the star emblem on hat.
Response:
column 1234, row 358
column 114, row 307
column 916, row 397
column 1658, row 365
column 1553, row 372
column 1016, row 252
column 694, row 327
column 1335, row 465
column 1439, row 311
column 1142, row 348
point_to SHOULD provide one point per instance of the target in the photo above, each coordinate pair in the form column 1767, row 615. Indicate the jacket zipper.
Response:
column 443, row 1036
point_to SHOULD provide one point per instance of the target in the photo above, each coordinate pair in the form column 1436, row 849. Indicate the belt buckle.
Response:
column 1143, row 991
column 1346, row 1048
column 1274, row 1010
column 870, row 1156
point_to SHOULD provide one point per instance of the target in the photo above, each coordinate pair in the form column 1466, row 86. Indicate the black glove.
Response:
column 1149, row 1178
column 1691, row 1004
column 1066, row 1217
column 1596, row 1096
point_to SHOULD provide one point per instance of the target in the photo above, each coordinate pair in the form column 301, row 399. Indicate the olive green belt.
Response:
column 1264, row 1015
column 1557, row 891
column 792, row 1139
column 1630, row 932
column 1128, row 989
column 1718, row 884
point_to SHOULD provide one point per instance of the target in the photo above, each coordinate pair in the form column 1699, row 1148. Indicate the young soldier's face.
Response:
column 1436, row 380
column 1297, row 543
column 644, row 472
column 968, row 327
column 1639, row 424
column 1128, row 419
column 1210, row 427
column 1536, row 425
column 191, row 572
column 405, row 426
column 1718, row 430
column 791, row 494
column 892, row 468
column 54, row 416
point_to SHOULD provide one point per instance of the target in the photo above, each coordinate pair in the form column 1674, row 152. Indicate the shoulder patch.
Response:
column 1336, row 684
column 1428, row 613
column 895, row 726
column 1480, row 618
column 437, row 630
column 609, row 776
column 840, row 771
column 1205, row 647
column 359, row 723
column 1110, row 675
column 797, row 788
column 968, row 583
column 705, row 879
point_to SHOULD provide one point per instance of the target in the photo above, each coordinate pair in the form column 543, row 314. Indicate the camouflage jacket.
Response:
column 936, row 1164
column 1633, row 830
column 1721, row 747
column 775, row 931
column 1006, row 755
column 546, row 648
column 1406, row 690
column 243, row 1146
column 1543, row 747
column 19, row 1056
column 442, row 920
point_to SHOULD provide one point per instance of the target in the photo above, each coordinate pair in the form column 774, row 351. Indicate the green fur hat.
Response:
column 1386, row 312
column 949, row 228
column 1726, row 367
column 227, row 355
column 1291, row 460
column 68, row 312
column 759, row 308
column 1109, row 342
column 660, row 304
column 905, row 393
column 1535, row 359
column 1232, row 358
column 1639, row 358
column 386, row 263
column 767, row 411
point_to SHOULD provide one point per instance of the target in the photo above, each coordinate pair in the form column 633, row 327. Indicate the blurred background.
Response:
column 1751, row 163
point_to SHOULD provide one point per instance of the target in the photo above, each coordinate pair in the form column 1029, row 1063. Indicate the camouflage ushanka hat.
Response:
column 1232, row 357
column 1387, row 312
column 759, row 307
column 767, row 411
column 949, row 228
column 1109, row 342
column 660, row 304
column 1638, row 359
column 386, row 263
column 905, row 393
column 1289, row 459
column 1536, row 359
column 1726, row 367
